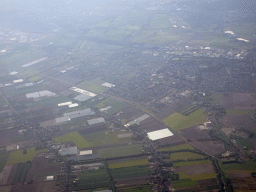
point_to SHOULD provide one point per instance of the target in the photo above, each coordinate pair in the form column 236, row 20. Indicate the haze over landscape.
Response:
column 138, row 95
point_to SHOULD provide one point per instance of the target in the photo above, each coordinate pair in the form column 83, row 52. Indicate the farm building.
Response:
column 109, row 85
column 68, row 151
column 159, row 134
column 96, row 120
column 138, row 120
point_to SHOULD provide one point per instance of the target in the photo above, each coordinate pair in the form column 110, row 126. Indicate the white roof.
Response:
column 66, row 103
column 62, row 119
column 35, row 62
column 108, row 85
column 49, row 178
column 18, row 81
column 13, row 73
column 159, row 134
column 76, row 89
column 3, row 51
column 87, row 152
column 73, row 105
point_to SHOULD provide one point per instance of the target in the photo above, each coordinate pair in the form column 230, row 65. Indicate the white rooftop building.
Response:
column 109, row 85
column 159, row 134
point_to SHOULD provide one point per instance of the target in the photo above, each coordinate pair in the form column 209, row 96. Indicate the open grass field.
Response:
column 75, row 137
column 128, row 163
column 94, row 85
column 248, row 165
column 126, row 172
column 187, row 163
column 184, row 183
column 92, row 179
column 177, row 147
column 216, row 97
column 116, row 106
column 102, row 139
column 120, row 151
column 197, row 177
column 239, row 112
column 21, row 172
column 185, row 156
column 161, row 21
column 18, row 156
column 3, row 159
column 141, row 188
column 177, row 121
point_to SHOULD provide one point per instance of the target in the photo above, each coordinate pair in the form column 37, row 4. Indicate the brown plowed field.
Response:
column 40, row 166
column 129, row 114
column 207, row 182
column 175, row 139
column 193, row 134
column 196, row 169
column 36, row 187
column 210, row 147
column 234, row 120
column 151, row 124
column 243, row 101
column 6, row 136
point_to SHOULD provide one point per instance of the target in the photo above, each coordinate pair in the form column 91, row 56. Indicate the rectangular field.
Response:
column 180, row 164
column 75, row 137
column 103, row 139
column 128, row 163
column 19, row 157
column 197, row 177
column 177, row 147
column 185, row 156
column 120, row 151
column 177, row 121
column 21, row 172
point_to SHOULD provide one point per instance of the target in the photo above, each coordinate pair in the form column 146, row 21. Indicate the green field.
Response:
column 216, row 97
column 177, row 147
column 185, row 156
column 180, row 164
column 94, row 85
column 184, row 183
column 3, row 159
column 177, row 121
column 239, row 112
column 103, row 139
column 161, row 21
column 126, row 172
column 75, row 137
column 19, row 157
column 92, row 179
column 197, row 177
column 21, row 172
column 128, row 163
column 116, row 106
column 248, row 165
column 120, row 151
column 140, row 188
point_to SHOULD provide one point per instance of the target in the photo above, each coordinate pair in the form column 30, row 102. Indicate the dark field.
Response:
column 40, row 166
column 150, row 124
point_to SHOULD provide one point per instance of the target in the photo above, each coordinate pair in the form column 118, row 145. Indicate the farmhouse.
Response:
column 159, row 134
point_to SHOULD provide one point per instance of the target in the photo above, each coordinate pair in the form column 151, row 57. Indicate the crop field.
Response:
column 248, row 165
column 102, row 139
column 128, row 163
column 92, row 179
column 242, row 141
column 161, row 21
column 177, row 121
column 187, row 163
column 188, row 109
column 120, row 151
column 35, row 78
column 21, row 172
column 140, row 188
column 3, row 159
column 18, row 156
column 185, row 156
column 216, row 97
column 239, row 112
column 177, row 147
column 94, row 85
column 197, row 177
column 184, row 183
column 116, row 106
column 126, row 172
column 75, row 137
